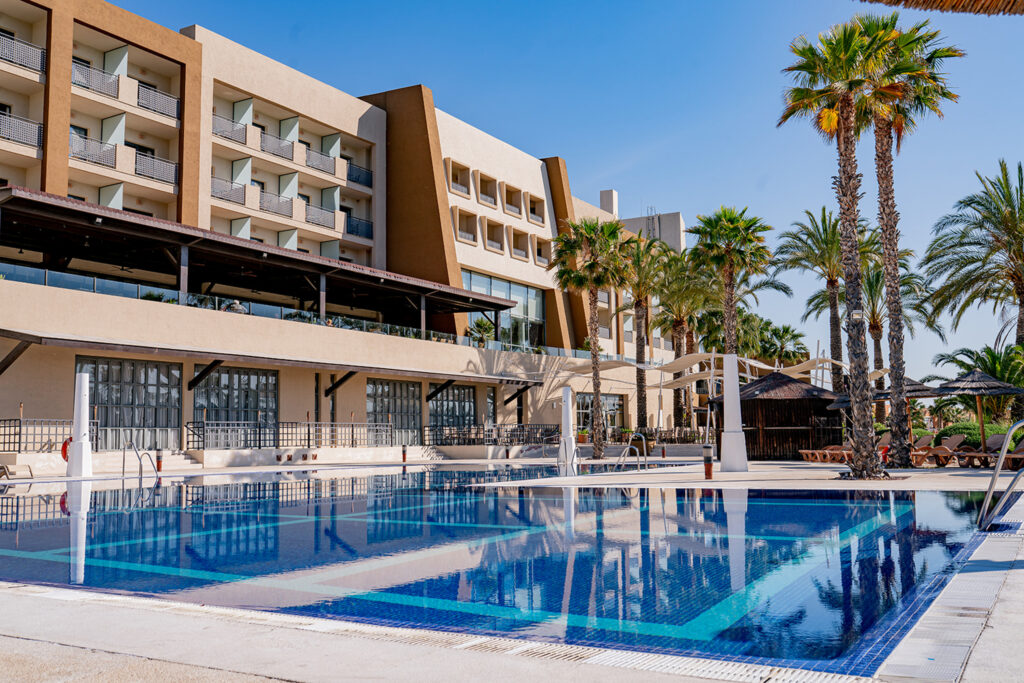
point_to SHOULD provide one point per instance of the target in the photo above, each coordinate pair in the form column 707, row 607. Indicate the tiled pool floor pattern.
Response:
column 826, row 581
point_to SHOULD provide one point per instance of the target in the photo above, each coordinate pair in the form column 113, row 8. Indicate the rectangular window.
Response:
column 304, row 198
column 453, row 407
column 134, row 399
column 614, row 410
column 236, row 395
column 398, row 403
column 141, row 149
column 80, row 131
column 258, row 183
column 492, row 406
column 140, row 213
column 5, row 108
column 523, row 326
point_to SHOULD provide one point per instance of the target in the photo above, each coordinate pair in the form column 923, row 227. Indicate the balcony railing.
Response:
column 319, row 216
column 158, row 101
column 359, row 227
column 488, row 198
column 94, row 151
column 227, row 190
column 275, row 203
column 603, row 296
column 319, row 161
column 459, row 187
column 358, row 174
column 513, row 208
column 516, row 251
column 154, row 167
column 535, row 217
column 495, row 244
column 207, row 435
column 226, row 128
column 491, row 435
column 275, row 145
column 94, row 79
column 21, row 130
column 604, row 332
column 22, row 53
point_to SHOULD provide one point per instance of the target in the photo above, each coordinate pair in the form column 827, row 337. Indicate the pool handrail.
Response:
column 985, row 521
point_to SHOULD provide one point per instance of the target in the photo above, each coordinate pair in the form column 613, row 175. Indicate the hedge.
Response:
column 971, row 431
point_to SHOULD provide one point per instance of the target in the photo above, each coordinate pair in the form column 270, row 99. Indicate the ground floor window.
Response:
column 135, row 399
column 492, row 406
column 398, row 403
column 236, row 395
column 614, row 410
column 453, row 407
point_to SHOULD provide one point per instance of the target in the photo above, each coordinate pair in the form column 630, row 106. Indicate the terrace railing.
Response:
column 227, row 190
column 358, row 174
column 217, row 435
column 157, row 100
column 149, row 166
column 94, row 79
column 17, row 129
column 94, row 151
column 22, row 53
column 226, row 128
column 319, row 216
column 275, row 203
column 275, row 145
column 38, row 435
column 490, row 435
column 320, row 161
column 359, row 227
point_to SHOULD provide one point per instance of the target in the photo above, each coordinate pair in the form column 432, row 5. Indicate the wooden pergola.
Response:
column 967, row 6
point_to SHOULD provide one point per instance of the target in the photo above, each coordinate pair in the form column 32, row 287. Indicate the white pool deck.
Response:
column 971, row 632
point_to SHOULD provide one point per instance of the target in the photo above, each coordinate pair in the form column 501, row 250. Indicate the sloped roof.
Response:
column 969, row 6
column 776, row 386
column 977, row 383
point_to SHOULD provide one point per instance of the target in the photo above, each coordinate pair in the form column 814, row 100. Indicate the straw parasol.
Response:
column 976, row 383
column 914, row 389
column 965, row 6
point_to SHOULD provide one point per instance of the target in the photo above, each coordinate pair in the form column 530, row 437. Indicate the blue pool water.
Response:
column 825, row 580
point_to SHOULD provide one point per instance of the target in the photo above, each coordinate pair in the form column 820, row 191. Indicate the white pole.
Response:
column 79, row 493
column 735, row 503
column 80, row 450
column 567, row 445
column 734, row 446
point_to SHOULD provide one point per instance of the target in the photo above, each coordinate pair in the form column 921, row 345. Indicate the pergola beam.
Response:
column 518, row 392
column 204, row 373
column 440, row 387
column 337, row 383
column 13, row 355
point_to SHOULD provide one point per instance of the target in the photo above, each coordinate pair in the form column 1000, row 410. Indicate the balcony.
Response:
column 154, row 167
column 363, row 176
column 319, row 216
column 535, row 218
column 158, row 101
column 226, row 128
column 227, row 190
column 17, row 129
column 319, row 161
column 494, row 244
column 96, row 80
column 273, row 203
column 359, row 227
column 93, row 151
column 604, row 332
column 22, row 54
column 520, row 253
column 275, row 145
column 458, row 187
column 512, row 208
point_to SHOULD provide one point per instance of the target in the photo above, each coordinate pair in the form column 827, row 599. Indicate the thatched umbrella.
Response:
column 915, row 389
column 966, row 6
column 976, row 383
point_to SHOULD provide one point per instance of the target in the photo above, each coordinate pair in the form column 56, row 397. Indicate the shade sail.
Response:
column 585, row 368
column 685, row 380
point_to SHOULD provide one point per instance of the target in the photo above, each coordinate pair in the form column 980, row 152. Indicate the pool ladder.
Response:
column 985, row 521
column 129, row 443
column 622, row 459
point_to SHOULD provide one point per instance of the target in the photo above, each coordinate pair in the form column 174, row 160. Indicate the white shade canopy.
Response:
column 813, row 363
column 585, row 367
column 685, row 380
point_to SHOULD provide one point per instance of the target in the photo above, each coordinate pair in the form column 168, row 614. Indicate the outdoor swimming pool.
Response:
column 825, row 580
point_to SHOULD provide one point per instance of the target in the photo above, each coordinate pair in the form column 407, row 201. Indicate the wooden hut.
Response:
column 782, row 415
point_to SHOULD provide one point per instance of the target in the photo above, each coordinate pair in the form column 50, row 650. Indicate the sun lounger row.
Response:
column 951, row 448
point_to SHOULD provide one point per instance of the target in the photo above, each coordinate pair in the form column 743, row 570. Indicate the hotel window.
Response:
column 523, row 325
column 520, row 245
column 236, row 395
column 141, row 149
column 488, row 190
column 495, row 236
column 453, row 407
column 466, row 226
column 396, row 403
column 513, row 200
column 543, row 252
column 304, row 198
column 5, row 108
column 141, row 396
column 536, row 210
column 80, row 131
column 459, row 178
column 614, row 410
column 492, row 406
column 258, row 183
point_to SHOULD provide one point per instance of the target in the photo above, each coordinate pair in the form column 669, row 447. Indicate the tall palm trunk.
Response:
column 729, row 307
column 691, row 347
column 1017, row 406
column 678, row 340
column 596, row 408
column 864, row 464
column 640, row 329
column 888, row 220
column 835, row 335
column 876, row 337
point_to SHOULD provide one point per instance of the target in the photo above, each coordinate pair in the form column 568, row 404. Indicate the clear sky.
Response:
column 671, row 103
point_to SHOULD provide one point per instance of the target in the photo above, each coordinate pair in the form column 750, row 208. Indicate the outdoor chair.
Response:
column 982, row 457
column 938, row 455
column 1015, row 458
column 16, row 472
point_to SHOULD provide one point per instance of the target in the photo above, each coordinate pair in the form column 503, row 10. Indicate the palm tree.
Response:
column 711, row 335
column 684, row 293
column 830, row 75
column 814, row 246
column 783, row 344
column 731, row 243
column 904, row 83
column 1005, row 364
column 586, row 258
column 642, row 264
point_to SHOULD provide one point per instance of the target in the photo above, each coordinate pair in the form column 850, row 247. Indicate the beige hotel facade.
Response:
column 254, row 266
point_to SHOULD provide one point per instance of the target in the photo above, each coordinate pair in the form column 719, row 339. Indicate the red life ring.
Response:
column 64, row 448
column 64, row 503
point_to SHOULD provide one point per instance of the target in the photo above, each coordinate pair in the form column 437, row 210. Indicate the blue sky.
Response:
column 672, row 103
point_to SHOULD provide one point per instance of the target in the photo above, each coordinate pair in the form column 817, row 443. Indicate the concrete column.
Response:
column 289, row 129
column 183, row 275
column 288, row 185
column 241, row 171
column 423, row 316
column 116, row 61
column 289, row 239
column 112, row 129
column 322, row 303
column 241, row 227
column 734, row 445
column 60, row 36
column 112, row 196
column 241, row 111
column 331, row 145
column 331, row 249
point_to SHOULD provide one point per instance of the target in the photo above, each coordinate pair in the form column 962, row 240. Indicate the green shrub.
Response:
column 918, row 433
column 881, row 428
column 970, row 431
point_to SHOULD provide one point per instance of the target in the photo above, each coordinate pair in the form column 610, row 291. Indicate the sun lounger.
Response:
column 16, row 472
column 938, row 455
column 982, row 457
column 1015, row 458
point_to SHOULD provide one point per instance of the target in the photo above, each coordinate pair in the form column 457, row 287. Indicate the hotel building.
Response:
column 253, row 265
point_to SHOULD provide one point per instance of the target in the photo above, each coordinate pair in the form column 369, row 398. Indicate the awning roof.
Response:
column 206, row 353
